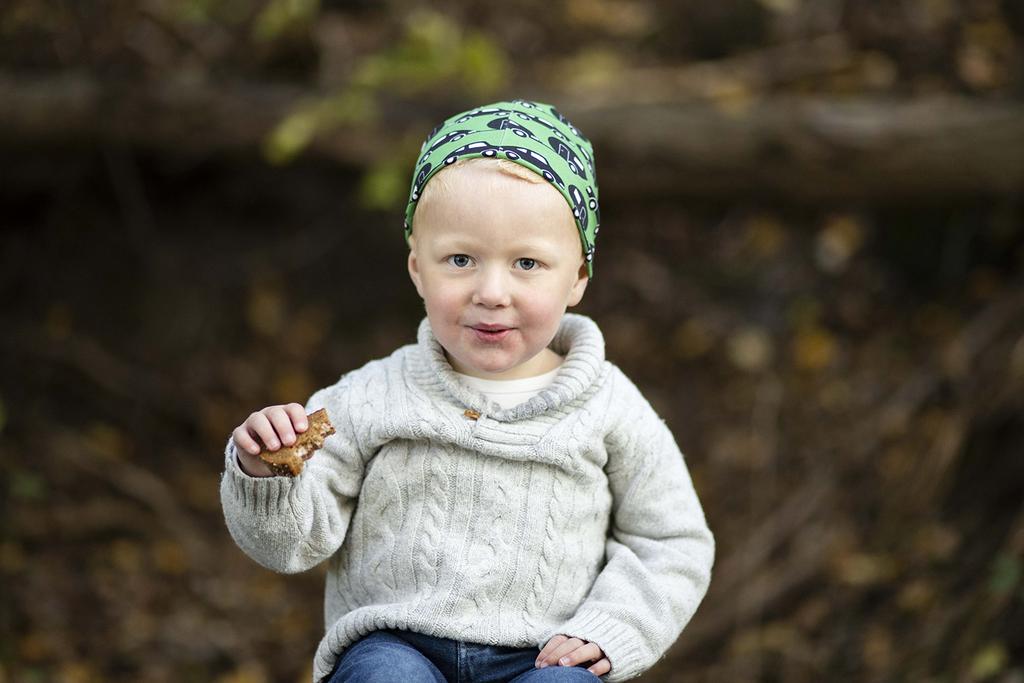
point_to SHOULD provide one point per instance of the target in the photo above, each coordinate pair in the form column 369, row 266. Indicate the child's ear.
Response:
column 579, row 286
column 414, row 266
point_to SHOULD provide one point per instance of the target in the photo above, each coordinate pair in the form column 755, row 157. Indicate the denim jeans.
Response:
column 391, row 655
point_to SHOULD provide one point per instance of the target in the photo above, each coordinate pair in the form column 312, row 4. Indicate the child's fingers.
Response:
column 298, row 415
column 601, row 668
column 585, row 653
column 282, row 425
column 549, row 647
column 561, row 650
column 260, row 426
column 244, row 441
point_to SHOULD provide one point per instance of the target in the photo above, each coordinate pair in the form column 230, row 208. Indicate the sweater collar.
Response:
column 578, row 339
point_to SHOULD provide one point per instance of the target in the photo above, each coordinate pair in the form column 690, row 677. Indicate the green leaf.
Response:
column 483, row 66
column 383, row 186
column 291, row 135
column 297, row 130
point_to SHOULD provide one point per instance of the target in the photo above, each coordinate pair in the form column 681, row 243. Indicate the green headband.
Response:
column 531, row 134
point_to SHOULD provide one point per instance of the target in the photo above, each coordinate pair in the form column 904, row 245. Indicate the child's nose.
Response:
column 492, row 288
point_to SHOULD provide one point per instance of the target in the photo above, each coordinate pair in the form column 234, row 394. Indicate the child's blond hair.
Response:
column 440, row 184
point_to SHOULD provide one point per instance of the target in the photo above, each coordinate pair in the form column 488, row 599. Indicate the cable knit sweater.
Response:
column 443, row 513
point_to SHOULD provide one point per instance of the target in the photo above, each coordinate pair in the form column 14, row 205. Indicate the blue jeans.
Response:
column 392, row 655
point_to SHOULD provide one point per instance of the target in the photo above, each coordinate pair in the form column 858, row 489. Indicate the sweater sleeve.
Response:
column 291, row 524
column 659, row 551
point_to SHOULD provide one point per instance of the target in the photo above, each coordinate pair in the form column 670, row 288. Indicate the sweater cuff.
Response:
column 267, row 496
column 616, row 639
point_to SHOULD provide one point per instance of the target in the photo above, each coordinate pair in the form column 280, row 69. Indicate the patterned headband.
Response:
column 531, row 134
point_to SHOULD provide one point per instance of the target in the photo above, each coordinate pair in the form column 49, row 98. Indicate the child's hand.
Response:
column 274, row 425
column 568, row 651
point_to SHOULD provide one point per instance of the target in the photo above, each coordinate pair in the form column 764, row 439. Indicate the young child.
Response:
column 499, row 501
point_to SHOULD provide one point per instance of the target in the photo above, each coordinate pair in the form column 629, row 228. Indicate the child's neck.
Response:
column 543, row 363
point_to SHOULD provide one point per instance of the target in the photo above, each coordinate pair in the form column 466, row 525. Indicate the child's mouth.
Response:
column 491, row 336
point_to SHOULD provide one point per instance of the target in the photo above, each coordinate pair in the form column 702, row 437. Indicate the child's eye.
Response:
column 462, row 260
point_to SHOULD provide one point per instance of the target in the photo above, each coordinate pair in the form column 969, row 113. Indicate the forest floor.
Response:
column 845, row 386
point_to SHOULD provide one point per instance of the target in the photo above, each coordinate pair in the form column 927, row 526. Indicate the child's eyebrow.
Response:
column 448, row 244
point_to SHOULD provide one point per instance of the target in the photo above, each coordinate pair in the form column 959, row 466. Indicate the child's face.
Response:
column 497, row 250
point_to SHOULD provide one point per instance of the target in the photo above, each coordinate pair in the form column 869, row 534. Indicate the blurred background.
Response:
column 810, row 262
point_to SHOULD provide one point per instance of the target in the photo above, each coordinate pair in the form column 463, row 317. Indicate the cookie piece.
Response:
column 288, row 461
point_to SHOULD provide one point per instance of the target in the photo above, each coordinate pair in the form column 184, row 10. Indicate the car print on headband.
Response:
column 566, row 153
column 526, row 117
column 482, row 112
column 579, row 208
column 508, row 124
column 486, row 149
column 450, row 136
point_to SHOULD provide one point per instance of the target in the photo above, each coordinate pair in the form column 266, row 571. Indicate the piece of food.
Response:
column 288, row 461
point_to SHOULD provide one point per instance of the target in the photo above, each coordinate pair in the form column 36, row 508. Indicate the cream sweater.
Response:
column 570, row 513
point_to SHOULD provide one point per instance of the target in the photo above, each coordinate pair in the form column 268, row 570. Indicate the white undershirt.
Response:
column 510, row 392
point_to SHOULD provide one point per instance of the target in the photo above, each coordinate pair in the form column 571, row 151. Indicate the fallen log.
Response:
column 800, row 149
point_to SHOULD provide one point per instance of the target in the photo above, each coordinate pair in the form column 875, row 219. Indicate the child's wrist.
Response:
column 252, row 465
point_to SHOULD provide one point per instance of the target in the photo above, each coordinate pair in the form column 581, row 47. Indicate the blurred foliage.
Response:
column 912, row 47
column 435, row 50
column 281, row 16
column 296, row 131
column 385, row 185
column 432, row 51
